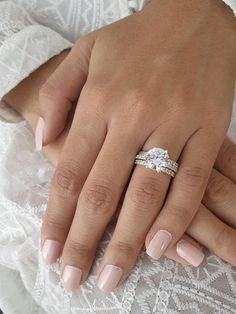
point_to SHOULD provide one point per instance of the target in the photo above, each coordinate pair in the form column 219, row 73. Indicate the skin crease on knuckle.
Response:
column 127, row 252
column 217, row 187
column 66, row 178
column 147, row 191
column 177, row 216
column 224, row 244
column 74, row 249
column 193, row 177
column 99, row 199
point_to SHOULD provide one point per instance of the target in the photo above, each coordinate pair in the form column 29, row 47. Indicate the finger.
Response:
column 171, row 251
column 143, row 199
column 97, row 203
column 60, row 91
column 79, row 154
column 184, row 196
column 220, row 197
column 185, row 241
column 214, row 234
column 226, row 159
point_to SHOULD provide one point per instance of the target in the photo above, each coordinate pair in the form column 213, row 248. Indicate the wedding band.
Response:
column 158, row 160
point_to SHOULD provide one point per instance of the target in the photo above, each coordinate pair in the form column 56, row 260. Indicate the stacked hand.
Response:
column 163, row 77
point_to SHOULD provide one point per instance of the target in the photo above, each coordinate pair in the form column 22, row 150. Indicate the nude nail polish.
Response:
column 109, row 278
column 39, row 134
column 71, row 278
column 190, row 253
column 159, row 244
column 51, row 251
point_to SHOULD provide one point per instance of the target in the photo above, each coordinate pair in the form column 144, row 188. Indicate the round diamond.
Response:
column 157, row 158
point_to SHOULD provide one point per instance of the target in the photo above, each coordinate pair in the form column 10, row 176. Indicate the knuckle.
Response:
column 146, row 192
column 179, row 215
column 54, row 225
column 98, row 92
column 224, row 243
column 66, row 177
column 125, row 249
column 136, row 104
column 216, row 188
column 193, row 176
column 74, row 248
column 99, row 198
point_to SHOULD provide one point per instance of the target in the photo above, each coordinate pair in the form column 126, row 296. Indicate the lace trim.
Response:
column 164, row 291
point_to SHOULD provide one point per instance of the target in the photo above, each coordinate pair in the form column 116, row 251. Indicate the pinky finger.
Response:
column 214, row 234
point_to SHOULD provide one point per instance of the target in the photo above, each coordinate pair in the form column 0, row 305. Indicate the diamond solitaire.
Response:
column 158, row 160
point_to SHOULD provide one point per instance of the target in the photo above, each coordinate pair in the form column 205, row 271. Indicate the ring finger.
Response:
column 144, row 198
column 214, row 234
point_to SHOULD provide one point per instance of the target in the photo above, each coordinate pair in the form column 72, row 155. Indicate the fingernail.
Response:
column 51, row 251
column 159, row 244
column 190, row 253
column 71, row 277
column 39, row 134
column 109, row 278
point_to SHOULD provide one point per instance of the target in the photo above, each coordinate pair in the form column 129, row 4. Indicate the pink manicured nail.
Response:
column 39, row 134
column 71, row 278
column 190, row 253
column 109, row 278
column 159, row 244
column 51, row 251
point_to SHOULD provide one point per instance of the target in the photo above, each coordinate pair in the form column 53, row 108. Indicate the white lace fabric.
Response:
column 32, row 31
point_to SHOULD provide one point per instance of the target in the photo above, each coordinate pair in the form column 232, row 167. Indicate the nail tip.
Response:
column 159, row 244
column 39, row 134
column 48, row 261
column 200, row 261
column 109, row 278
column 71, row 278
column 51, row 251
column 150, row 254
column 38, row 149
column 190, row 253
column 102, row 288
column 69, row 289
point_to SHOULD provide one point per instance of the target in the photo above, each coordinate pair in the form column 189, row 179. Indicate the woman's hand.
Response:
column 163, row 77
column 214, row 225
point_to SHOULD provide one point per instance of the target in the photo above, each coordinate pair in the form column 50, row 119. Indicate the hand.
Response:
column 215, row 228
column 178, row 98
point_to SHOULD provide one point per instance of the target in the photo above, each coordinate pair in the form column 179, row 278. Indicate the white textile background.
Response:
column 35, row 30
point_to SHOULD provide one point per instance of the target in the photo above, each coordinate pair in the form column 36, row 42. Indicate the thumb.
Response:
column 62, row 88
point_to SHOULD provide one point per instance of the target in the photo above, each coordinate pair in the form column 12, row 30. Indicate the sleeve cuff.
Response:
column 25, row 51
column 232, row 4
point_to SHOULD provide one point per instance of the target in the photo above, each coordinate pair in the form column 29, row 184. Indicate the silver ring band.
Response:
column 157, row 159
